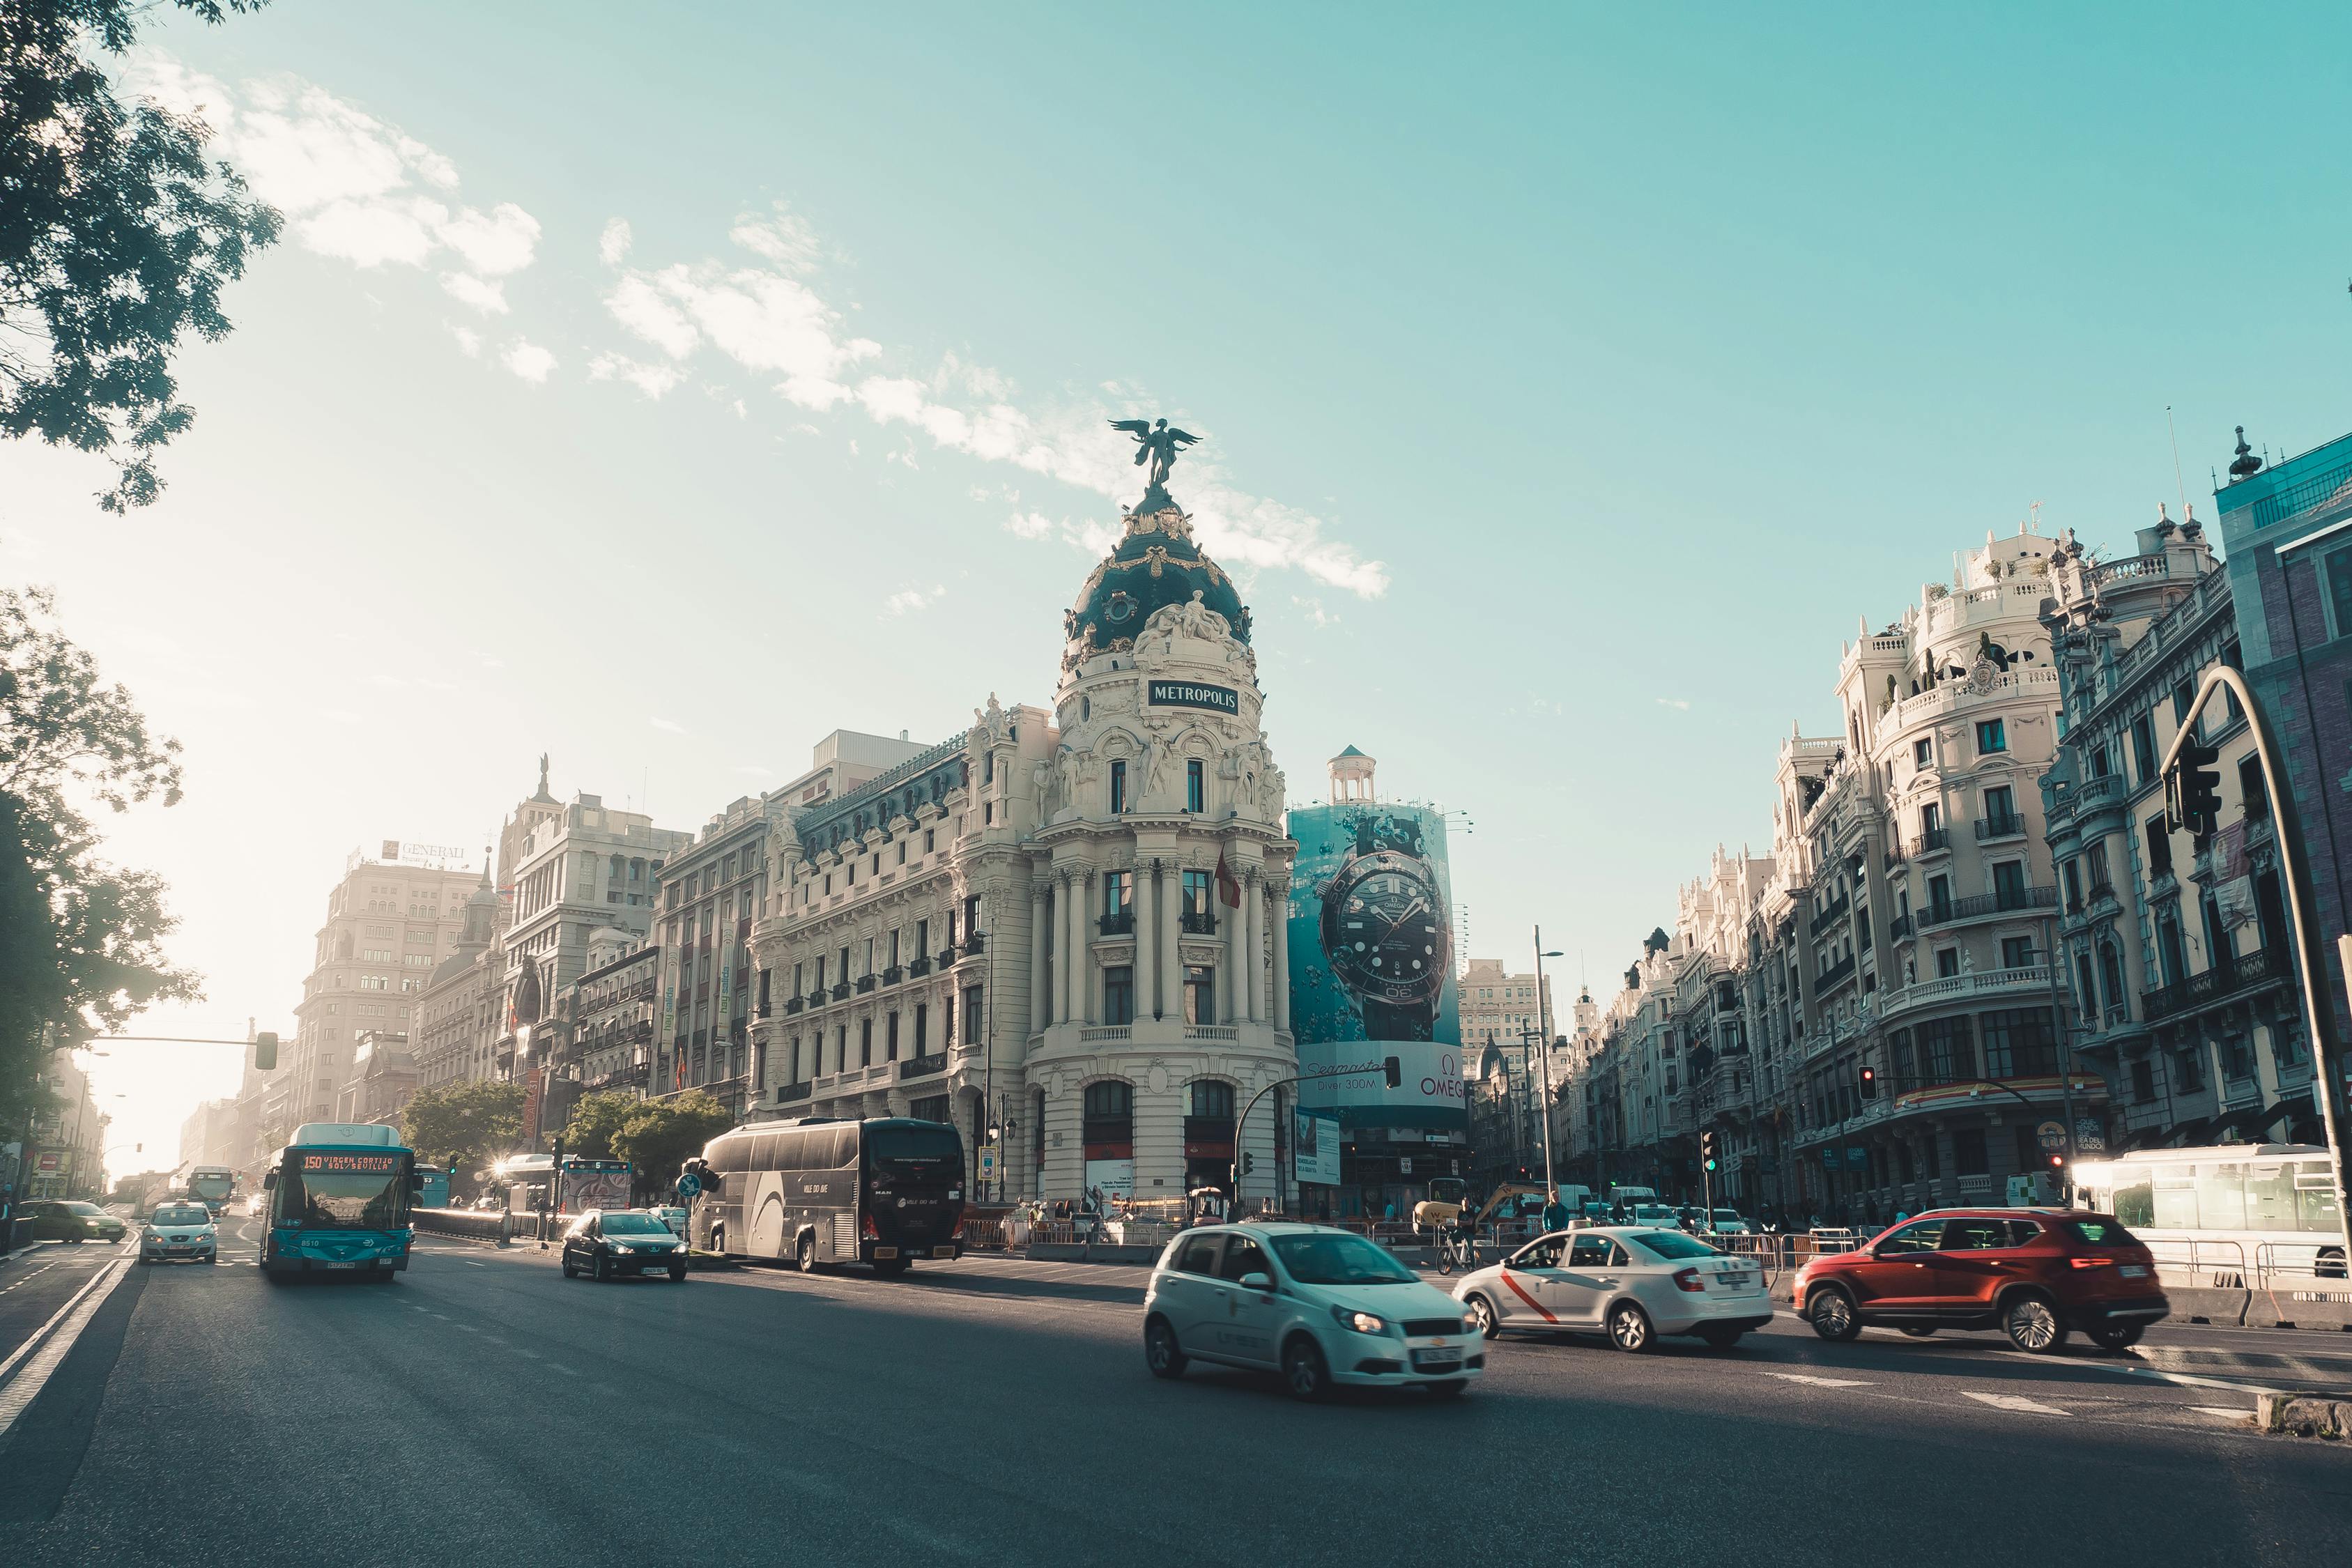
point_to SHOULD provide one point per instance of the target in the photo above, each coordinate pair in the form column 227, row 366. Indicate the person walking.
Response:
column 1555, row 1213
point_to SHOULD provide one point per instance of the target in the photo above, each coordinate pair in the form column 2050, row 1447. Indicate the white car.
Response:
column 1631, row 1282
column 1657, row 1216
column 1727, row 1222
column 672, row 1217
column 1323, row 1306
column 184, row 1231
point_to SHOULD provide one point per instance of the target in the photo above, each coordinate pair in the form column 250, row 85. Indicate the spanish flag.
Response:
column 1229, row 887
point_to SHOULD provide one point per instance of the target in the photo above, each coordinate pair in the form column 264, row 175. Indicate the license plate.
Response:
column 943, row 1252
column 1448, row 1356
column 2133, row 1271
column 886, row 1252
column 333, row 1264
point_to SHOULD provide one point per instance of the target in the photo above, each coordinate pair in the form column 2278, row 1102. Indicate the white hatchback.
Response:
column 1323, row 1306
column 1631, row 1282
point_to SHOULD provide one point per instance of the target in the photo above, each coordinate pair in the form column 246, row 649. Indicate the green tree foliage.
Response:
column 596, row 1120
column 661, row 1134
column 80, row 940
column 463, row 1125
column 116, row 238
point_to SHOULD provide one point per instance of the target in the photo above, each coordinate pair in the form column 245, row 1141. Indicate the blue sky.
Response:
column 1573, row 378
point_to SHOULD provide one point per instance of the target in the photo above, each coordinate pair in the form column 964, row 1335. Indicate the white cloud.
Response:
column 671, row 725
column 352, row 186
column 1312, row 612
column 1029, row 524
column 1678, row 703
column 907, row 600
column 490, row 299
column 614, row 243
column 653, row 380
column 640, row 307
column 527, row 360
column 781, row 235
column 469, row 341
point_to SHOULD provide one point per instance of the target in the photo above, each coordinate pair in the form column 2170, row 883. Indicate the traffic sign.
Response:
column 2053, row 1137
column 988, row 1165
column 688, row 1183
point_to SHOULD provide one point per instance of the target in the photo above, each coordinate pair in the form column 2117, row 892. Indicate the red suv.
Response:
column 2033, row 1273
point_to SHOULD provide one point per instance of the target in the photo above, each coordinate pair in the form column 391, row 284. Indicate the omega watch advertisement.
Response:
column 1371, row 964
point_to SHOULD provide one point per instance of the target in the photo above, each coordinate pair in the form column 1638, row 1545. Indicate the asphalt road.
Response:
column 483, row 1410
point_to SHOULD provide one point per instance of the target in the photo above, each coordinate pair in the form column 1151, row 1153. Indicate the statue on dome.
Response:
column 1158, row 446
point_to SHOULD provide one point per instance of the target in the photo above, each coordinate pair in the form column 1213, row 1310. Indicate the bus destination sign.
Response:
column 1186, row 694
column 365, row 1164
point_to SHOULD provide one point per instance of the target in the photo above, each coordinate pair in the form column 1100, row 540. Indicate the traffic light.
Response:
column 2192, row 788
column 1249, row 1161
column 265, row 1052
column 1865, row 1079
column 1707, row 1150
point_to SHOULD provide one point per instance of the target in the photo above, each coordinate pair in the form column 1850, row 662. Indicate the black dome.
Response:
column 1156, row 565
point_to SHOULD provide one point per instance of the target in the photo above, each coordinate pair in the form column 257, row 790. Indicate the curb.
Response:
column 2289, row 1416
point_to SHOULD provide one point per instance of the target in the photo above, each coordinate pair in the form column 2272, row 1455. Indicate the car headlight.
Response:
column 1362, row 1323
column 1469, row 1324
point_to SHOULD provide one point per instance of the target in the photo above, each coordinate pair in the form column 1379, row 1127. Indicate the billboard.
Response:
column 1316, row 1139
column 1371, row 964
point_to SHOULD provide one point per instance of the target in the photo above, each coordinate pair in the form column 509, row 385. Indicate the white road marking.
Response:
column 1819, row 1381
column 2013, row 1401
column 2183, row 1379
column 21, row 1390
column 28, row 1279
column 2228, row 1412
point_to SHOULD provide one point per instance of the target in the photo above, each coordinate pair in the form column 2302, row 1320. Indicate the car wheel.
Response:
column 2032, row 1323
column 2115, row 1336
column 1160, row 1352
column 1629, row 1328
column 604, row 1269
column 1832, row 1315
column 1304, row 1371
column 1452, row 1388
column 212, row 1258
column 569, row 1271
column 1481, row 1311
column 677, row 1275
column 1914, row 1331
column 1721, row 1339
column 719, row 1239
column 807, row 1256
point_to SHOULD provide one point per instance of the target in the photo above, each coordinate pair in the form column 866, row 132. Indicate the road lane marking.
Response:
column 2184, row 1380
column 22, row 1389
column 2228, row 1411
column 2011, row 1401
column 28, row 1279
column 1819, row 1381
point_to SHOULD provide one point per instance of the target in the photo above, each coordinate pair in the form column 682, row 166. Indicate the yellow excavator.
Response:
column 1447, row 1198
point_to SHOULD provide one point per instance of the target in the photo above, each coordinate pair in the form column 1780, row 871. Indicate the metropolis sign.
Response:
column 1184, row 694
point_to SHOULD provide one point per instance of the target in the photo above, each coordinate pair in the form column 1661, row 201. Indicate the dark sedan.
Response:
column 620, row 1244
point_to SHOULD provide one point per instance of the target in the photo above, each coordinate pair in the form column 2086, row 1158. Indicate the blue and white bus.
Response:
column 338, row 1201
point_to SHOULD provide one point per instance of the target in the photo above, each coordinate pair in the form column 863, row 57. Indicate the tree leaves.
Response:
column 463, row 1125
column 116, row 238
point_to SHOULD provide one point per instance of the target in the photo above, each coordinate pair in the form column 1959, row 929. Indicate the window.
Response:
column 971, row 1014
column 1195, row 789
column 1196, row 900
column 1991, row 737
column 2018, row 1043
column 1968, row 1156
column 2143, row 1083
column 2001, row 809
column 1117, row 787
column 1921, row 1236
column 2251, row 789
column 1118, row 994
column 2088, row 996
column 2143, row 745
column 922, row 1025
column 2017, row 953
column 1243, row 1258
column 2170, row 956
column 1212, row 1098
column 1198, row 1256
column 1939, row 897
column 2009, row 889
column 1948, row 1049
column 2097, row 856
column 1118, row 900
column 1923, row 753
column 865, row 1042
column 2111, row 978
column 2159, row 850
column 890, row 1038
column 1200, row 994
column 1931, row 818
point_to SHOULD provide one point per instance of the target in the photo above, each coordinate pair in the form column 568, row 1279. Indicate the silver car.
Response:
column 185, row 1231
column 1631, row 1282
column 1322, row 1306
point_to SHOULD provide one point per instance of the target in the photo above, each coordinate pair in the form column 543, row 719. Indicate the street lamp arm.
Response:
column 1242, row 1119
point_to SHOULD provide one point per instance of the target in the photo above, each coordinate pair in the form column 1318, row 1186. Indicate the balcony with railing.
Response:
column 1836, row 973
column 922, row 1067
column 1899, row 929
column 1932, row 841
column 2001, row 825
column 1197, row 923
column 975, row 944
column 788, row 1092
column 1989, row 985
column 947, row 958
column 1985, row 906
column 2247, row 972
column 893, row 975
column 816, row 998
column 1122, row 923
column 919, row 966
column 865, row 984
column 1832, row 915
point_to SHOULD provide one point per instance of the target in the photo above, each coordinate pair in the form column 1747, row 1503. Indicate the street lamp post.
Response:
column 1543, row 1021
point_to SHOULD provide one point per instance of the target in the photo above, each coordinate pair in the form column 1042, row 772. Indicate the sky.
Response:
column 665, row 389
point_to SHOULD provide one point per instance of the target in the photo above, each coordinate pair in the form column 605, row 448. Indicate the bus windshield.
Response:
column 921, row 1153
column 323, row 1191
column 212, row 1185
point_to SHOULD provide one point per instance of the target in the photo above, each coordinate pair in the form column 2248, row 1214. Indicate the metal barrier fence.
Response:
column 475, row 1224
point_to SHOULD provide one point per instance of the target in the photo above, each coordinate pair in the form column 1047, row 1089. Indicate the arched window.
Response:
column 1110, row 1098
column 2111, row 976
column 1213, row 1098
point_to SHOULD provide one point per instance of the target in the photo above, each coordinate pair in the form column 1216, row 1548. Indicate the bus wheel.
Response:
column 807, row 1256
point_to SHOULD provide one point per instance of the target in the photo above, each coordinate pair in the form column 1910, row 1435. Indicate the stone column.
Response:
column 1253, row 915
column 1281, row 956
column 1041, row 942
column 1144, row 927
column 1229, row 973
column 1084, row 1007
column 1061, row 946
column 1171, row 937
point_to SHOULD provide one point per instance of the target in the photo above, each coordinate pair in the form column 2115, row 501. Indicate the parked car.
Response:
column 615, row 1244
column 48, row 1219
column 184, row 1231
column 1324, row 1307
column 672, row 1217
column 2035, row 1274
column 1632, row 1283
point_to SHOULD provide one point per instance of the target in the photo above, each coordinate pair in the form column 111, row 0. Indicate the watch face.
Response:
column 1385, row 929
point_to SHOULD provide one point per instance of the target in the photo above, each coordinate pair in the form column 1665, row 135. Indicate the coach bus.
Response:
column 338, row 1199
column 822, row 1190
column 2234, row 1213
column 211, row 1185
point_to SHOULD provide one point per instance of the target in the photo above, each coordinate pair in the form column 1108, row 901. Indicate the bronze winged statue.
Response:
column 1157, row 445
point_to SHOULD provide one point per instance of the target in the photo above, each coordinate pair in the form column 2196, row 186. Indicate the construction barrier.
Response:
column 474, row 1225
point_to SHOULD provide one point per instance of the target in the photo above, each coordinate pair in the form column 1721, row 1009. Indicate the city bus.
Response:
column 211, row 1185
column 2232, row 1214
column 822, row 1190
column 531, row 1183
column 339, row 1197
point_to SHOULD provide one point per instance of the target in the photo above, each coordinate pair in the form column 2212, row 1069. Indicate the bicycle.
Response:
column 1453, row 1251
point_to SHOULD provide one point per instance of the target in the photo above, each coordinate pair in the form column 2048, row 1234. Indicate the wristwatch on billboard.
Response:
column 1386, row 930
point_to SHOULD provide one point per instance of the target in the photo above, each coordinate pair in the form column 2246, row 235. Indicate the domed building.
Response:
column 1065, row 924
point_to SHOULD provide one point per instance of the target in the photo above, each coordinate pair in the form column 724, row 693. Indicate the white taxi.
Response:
column 1324, row 1307
column 1629, row 1282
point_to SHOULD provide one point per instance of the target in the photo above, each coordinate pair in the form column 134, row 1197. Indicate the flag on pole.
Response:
column 1229, row 887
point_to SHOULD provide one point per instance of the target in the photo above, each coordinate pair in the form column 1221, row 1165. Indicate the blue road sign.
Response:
column 688, row 1183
